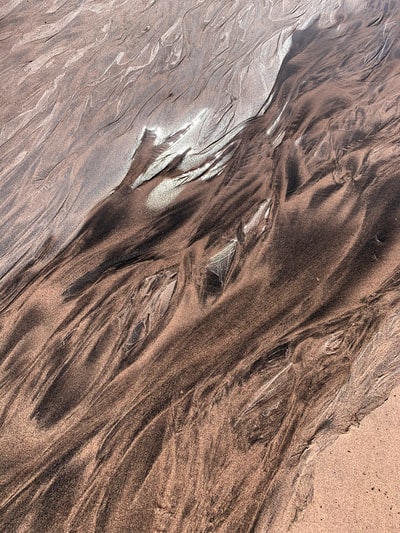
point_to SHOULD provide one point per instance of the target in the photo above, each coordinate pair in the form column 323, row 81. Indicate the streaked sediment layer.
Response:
column 220, row 316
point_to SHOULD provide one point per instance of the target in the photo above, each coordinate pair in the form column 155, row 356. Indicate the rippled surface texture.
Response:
column 200, row 206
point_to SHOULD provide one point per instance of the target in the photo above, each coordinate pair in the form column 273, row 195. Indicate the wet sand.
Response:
column 198, row 297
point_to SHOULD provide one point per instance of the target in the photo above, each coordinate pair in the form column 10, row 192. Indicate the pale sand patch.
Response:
column 357, row 479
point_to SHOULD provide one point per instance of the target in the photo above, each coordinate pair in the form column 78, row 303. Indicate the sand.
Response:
column 199, row 265
column 356, row 480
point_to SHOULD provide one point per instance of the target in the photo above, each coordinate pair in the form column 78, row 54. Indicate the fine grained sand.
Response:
column 356, row 480
column 201, row 265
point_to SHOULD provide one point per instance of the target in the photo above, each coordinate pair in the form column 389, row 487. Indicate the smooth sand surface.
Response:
column 356, row 483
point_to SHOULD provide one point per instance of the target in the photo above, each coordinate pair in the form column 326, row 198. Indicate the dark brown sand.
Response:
column 219, row 318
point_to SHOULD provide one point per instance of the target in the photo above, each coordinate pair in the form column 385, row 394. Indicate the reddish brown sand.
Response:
column 183, row 333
